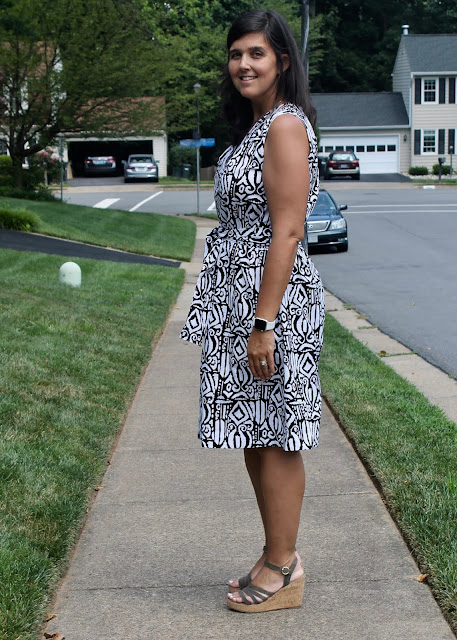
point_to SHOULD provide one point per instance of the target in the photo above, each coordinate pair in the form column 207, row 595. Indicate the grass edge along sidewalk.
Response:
column 146, row 233
column 408, row 446
column 71, row 362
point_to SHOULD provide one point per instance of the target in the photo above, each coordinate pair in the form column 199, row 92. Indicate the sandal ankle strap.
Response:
column 285, row 570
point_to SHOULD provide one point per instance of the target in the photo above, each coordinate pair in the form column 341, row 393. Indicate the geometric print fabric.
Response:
column 236, row 410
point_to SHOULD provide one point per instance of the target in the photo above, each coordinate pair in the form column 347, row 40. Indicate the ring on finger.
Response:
column 263, row 363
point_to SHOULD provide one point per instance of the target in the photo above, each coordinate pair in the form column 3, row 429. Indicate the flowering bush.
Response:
column 44, row 167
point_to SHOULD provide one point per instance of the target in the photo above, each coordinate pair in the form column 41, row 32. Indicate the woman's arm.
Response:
column 286, row 181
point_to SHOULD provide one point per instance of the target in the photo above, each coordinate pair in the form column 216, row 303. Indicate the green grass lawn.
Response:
column 147, row 233
column 409, row 446
column 71, row 361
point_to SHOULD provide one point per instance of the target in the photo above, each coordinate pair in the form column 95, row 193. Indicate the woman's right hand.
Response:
column 261, row 347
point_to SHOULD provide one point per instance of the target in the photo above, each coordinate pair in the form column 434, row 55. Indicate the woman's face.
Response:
column 254, row 69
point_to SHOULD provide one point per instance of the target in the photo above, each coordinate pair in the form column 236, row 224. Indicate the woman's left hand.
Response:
column 261, row 347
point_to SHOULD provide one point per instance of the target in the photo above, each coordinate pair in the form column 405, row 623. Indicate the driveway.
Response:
column 371, row 177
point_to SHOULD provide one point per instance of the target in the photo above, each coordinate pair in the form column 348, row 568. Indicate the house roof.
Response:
column 431, row 52
column 349, row 110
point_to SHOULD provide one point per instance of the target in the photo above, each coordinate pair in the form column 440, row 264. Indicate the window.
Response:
column 370, row 147
column 3, row 148
column 429, row 91
column 391, row 147
column 328, row 149
column 360, row 148
column 339, row 148
column 321, row 148
column 429, row 141
column 381, row 147
column 351, row 148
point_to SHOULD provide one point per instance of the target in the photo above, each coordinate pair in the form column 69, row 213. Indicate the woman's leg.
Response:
column 253, row 462
column 282, row 485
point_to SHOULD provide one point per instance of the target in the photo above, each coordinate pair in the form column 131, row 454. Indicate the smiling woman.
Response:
column 258, row 308
column 254, row 71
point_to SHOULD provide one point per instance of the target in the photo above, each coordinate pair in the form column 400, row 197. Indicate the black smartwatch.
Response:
column 263, row 325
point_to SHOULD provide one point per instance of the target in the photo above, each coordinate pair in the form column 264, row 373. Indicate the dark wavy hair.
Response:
column 292, row 83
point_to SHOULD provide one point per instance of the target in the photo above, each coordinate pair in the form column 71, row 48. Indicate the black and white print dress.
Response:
column 237, row 410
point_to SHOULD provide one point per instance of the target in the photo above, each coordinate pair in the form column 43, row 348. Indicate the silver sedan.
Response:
column 141, row 167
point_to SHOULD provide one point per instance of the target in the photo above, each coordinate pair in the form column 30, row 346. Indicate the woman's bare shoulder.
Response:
column 288, row 124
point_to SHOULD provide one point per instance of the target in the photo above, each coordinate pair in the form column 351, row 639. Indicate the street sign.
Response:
column 203, row 142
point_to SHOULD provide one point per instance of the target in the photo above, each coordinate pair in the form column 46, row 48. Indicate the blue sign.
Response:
column 203, row 142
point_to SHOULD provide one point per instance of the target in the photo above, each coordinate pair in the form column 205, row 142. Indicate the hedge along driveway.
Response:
column 71, row 361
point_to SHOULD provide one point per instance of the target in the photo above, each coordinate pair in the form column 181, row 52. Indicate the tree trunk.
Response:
column 18, row 170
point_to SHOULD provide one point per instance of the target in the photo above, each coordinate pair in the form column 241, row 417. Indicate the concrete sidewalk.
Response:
column 174, row 522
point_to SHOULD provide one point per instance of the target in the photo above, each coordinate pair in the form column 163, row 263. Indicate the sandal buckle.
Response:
column 285, row 571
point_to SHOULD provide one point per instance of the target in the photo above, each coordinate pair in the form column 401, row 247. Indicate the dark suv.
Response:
column 342, row 163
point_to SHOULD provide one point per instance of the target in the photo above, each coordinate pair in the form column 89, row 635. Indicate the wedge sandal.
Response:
column 256, row 599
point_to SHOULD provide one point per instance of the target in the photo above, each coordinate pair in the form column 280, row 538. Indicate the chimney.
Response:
column 405, row 28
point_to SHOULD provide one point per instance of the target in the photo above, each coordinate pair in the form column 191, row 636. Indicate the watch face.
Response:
column 260, row 325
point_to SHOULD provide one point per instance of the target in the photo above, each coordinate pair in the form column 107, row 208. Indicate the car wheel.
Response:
column 343, row 247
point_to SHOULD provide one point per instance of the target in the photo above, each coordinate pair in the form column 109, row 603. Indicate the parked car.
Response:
column 141, row 167
column 342, row 163
column 94, row 165
column 326, row 226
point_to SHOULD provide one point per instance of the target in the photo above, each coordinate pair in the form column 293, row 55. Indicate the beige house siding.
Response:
column 159, row 146
column 434, row 117
column 401, row 77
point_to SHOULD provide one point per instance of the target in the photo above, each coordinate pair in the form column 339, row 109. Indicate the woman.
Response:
column 258, row 308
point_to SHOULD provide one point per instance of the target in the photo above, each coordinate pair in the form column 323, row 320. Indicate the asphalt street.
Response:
column 400, row 271
column 150, row 199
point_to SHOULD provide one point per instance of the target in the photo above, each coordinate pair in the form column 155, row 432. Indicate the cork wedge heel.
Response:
column 257, row 600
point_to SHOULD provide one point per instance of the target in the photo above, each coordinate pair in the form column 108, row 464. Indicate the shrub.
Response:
column 6, row 171
column 38, row 162
column 18, row 219
column 445, row 170
column 418, row 171
column 41, row 193
column 182, row 155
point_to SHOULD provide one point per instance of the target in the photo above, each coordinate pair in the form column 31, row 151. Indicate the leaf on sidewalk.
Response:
column 54, row 636
column 51, row 617
column 100, row 486
column 422, row 577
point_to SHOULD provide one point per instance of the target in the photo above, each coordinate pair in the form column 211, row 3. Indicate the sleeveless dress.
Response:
column 236, row 410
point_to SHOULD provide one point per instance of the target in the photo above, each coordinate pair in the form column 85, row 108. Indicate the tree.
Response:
column 189, row 47
column 77, row 66
column 360, row 39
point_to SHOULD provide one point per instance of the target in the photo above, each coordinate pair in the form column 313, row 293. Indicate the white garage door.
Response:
column 376, row 154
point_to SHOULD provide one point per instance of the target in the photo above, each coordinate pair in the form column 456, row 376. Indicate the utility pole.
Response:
column 304, row 36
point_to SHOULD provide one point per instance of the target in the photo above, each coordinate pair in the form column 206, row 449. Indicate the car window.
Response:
column 343, row 156
column 134, row 159
column 324, row 203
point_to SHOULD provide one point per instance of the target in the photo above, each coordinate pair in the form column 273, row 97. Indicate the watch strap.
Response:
column 263, row 325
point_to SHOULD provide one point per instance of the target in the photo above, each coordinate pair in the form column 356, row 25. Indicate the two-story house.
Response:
column 411, row 126
column 425, row 73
